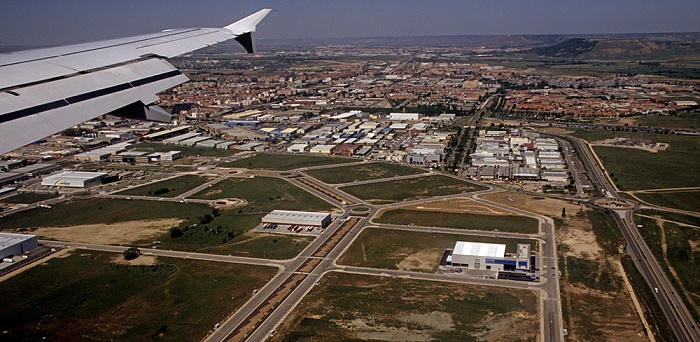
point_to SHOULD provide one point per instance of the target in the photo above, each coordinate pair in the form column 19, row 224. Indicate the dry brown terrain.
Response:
column 593, row 315
column 458, row 205
column 109, row 234
column 539, row 205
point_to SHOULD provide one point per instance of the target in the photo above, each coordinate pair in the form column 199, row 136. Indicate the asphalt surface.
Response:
column 680, row 320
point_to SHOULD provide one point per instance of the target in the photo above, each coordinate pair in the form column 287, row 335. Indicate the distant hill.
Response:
column 573, row 47
column 640, row 48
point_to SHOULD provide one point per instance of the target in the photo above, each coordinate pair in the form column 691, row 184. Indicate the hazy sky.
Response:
column 56, row 22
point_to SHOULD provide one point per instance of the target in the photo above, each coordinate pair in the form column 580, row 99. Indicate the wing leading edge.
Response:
column 48, row 90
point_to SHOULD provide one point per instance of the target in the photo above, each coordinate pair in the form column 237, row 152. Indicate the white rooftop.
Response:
column 9, row 239
column 480, row 249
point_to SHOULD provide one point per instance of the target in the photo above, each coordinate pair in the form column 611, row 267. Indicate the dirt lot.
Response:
column 459, row 205
column 539, row 205
column 350, row 307
column 109, row 234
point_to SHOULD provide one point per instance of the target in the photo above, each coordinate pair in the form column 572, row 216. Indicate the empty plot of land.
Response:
column 362, row 172
column 88, row 295
column 540, row 205
column 109, row 234
column 410, row 189
column 459, row 205
column 504, row 223
column 168, row 188
column 358, row 307
column 265, row 193
column 284, row 162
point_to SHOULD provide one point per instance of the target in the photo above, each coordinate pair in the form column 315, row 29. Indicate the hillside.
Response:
column 611, row 49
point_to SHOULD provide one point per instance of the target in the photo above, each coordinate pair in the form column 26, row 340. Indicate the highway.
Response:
column 679, row 318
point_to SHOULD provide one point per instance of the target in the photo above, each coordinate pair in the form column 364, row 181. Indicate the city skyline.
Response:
column 47, row 23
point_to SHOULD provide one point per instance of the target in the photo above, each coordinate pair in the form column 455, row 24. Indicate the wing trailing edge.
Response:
column 48, row 90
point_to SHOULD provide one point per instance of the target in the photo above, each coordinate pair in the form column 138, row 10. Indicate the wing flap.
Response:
column 43, row 109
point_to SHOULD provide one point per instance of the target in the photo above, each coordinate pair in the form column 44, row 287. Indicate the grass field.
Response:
column 174, row 186
column 98, row 210
column 349, row 307
column 687, row 219
column 185, row 150
column 283, row 162
column 362, row 172
column 267, row 246
column 264, row 194
column 690, row 120
column 28, row 198
column 86, row 296
column 397, row 249
column 634, row 169
column 684, row 200
column 410, row 189
column 682, row 253
column 515, row 224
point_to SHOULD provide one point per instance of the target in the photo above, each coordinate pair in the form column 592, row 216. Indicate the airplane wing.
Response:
column 48, row 90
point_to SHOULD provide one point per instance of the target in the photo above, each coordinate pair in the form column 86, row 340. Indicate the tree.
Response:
column 132, row 253
column 176, row 232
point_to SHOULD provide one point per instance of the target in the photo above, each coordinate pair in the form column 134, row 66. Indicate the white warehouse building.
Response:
column 300, row 218
column 488, row 256
column 74, row 179
column 15, row 244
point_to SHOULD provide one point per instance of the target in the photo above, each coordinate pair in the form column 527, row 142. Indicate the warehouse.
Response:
column 299, row 218
column 488, row 256
column 15, row 244
column 74, row 179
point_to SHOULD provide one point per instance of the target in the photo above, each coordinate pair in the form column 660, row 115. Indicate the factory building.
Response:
column 74, row 179
column 15, row 244
column 489, row 256
column 299, row 218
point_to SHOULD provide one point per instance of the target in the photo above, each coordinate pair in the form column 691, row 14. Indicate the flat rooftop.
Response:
column 10, row 239
column 492, row 250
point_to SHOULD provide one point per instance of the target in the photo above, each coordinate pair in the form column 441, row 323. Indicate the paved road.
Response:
column 680, row 320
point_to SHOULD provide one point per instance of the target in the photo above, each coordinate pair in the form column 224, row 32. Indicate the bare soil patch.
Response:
column 143, row 260
column 578, row 236
column 424, row 260
column 540, row 205
column 106, row 234
column 459, row 205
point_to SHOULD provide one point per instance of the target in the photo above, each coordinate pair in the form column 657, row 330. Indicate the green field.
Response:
column 634, row 169
column 689, row 120
column 174, row 186
column 410, row 189
column 88, row 297
column 185, row 150
column 100, row 210
column 391, row 309
column 265, row 194
column 283, row 162
column 362, row 172
column 266, row 246
column 687, row 219
column 684, row 200
column 388, row 248
column 514, row 224
column 682, row 254
column 28, row 198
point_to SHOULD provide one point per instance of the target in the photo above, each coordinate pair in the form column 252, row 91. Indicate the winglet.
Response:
column 244, row 29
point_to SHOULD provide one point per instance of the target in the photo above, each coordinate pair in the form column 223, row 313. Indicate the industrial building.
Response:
column 299, row 218
column 15, row 244
column 74, row 179
column 489, row 256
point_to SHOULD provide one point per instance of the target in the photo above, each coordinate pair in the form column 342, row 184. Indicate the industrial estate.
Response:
column 487, row 191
